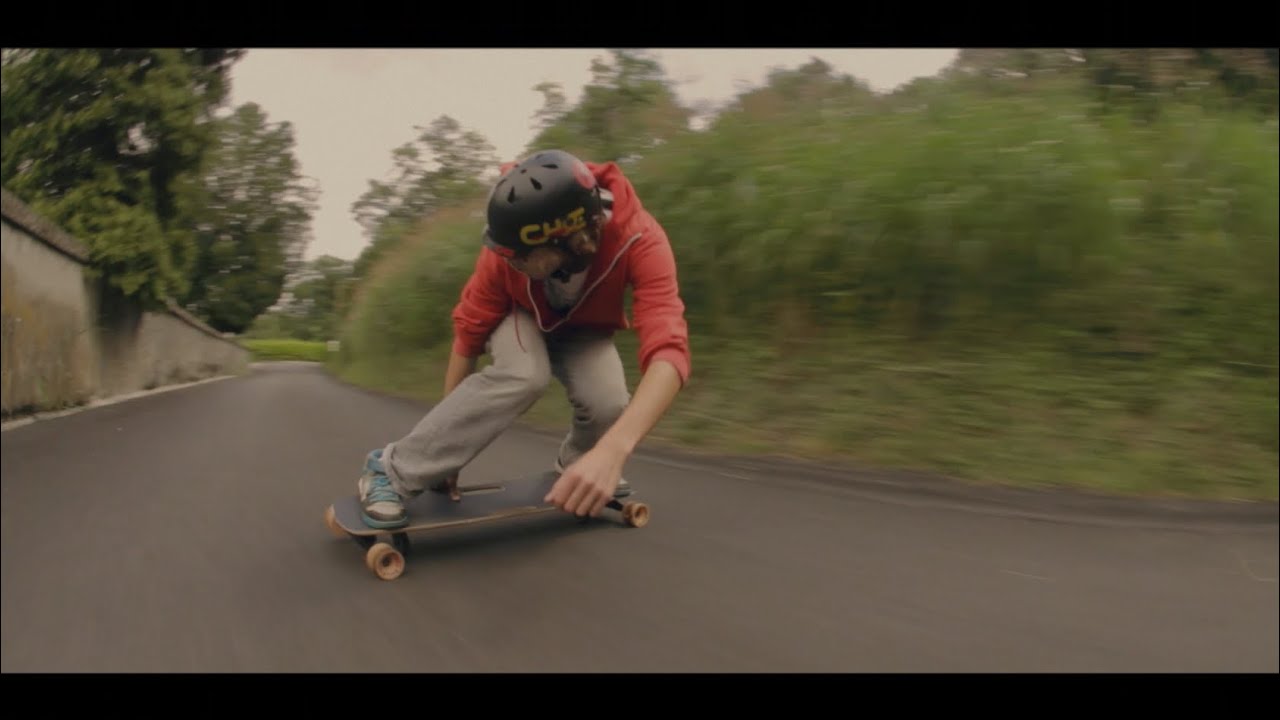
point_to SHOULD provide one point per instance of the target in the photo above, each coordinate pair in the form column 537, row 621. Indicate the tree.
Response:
column 99, row 141
column 554, row 105
column 439, row 168
column 807, row 88
column 320, row 298
column 628, row 107
column 251, row 211
column 1145, row 78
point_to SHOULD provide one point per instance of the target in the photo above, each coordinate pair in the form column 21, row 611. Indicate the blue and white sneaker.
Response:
column 382, row 505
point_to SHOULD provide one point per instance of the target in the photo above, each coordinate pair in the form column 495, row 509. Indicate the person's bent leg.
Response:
column 463, row 424
column 589, row 367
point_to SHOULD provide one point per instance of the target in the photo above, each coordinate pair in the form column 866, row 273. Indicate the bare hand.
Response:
column 588, row 485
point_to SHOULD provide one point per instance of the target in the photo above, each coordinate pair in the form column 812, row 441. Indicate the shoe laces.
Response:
column 380, row 490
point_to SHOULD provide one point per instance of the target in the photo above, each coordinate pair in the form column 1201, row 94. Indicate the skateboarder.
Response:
column 563, row 242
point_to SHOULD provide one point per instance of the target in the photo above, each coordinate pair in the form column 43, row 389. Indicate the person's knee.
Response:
column 535, row 377
column 603, row 409
column 528, row 375
column 520, row 360
column 609, row 413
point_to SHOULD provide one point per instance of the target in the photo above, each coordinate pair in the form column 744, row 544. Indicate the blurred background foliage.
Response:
column 1049, row 266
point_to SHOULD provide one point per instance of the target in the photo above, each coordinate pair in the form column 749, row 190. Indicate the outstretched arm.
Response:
column 588, row 485
column 653, row 397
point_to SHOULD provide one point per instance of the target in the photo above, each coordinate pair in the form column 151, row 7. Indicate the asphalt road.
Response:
column 183, row 532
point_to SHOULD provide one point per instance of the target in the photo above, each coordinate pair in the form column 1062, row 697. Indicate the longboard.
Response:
column 436, row 511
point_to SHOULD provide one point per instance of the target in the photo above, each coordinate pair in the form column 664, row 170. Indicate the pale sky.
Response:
column 350, row 107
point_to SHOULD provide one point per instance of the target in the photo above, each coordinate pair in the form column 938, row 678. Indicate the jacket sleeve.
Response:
column 484, row 302
column 656, row 305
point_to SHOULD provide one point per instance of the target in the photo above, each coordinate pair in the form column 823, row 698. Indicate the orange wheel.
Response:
column 636, row 514
column 385, row 561
column 331, row 522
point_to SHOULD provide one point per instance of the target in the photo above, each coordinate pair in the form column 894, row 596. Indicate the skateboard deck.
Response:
column 435, row 511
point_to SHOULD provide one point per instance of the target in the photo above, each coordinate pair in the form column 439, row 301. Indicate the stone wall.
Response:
column 67, row 340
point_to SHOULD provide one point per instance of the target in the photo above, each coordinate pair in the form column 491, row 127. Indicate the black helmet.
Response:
column 545, row 198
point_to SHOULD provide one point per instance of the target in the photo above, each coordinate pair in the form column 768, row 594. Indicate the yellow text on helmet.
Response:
column 539, row 233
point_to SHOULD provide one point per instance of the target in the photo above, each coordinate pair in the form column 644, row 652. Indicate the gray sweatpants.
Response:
column 487, row 402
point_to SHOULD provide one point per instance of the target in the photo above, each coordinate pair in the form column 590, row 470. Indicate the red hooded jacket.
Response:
column 634, row 251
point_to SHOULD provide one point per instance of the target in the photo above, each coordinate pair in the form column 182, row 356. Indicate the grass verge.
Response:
column 1125, row 426
column 286, row 349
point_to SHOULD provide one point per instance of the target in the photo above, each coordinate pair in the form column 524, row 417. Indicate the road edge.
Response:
column 31, row 418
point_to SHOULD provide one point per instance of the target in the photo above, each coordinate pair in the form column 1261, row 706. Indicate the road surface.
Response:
column 183, row 532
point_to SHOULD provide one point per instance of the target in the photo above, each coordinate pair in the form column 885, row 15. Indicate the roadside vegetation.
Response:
column 1041, row 267
column 1005, row 274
